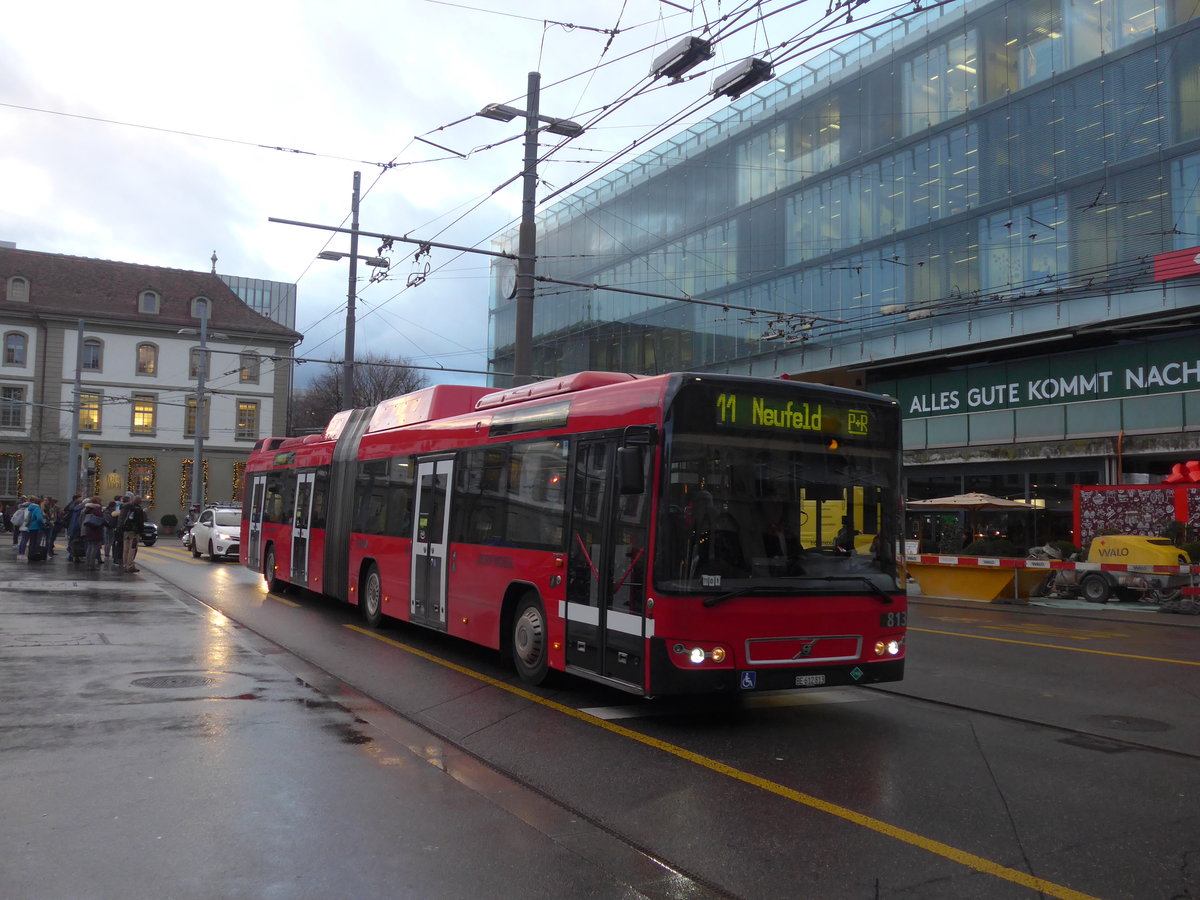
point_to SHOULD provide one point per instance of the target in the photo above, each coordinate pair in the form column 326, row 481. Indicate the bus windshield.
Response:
column 753, row 508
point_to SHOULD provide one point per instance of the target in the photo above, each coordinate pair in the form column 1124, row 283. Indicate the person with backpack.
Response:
column 18, row 520
column 133, row 519
column 31, row 532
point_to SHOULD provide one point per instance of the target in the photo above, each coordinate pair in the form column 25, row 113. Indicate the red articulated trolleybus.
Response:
column 681, row 533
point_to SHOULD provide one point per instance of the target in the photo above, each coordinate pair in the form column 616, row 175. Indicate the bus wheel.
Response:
column 370, row 598
column 274, row 584
column 529, row 640
column 1095, row 589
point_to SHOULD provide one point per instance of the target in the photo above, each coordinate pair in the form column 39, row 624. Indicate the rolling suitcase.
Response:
column 37, row 554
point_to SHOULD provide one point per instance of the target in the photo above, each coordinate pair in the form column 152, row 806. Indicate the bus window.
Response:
column 511, row 495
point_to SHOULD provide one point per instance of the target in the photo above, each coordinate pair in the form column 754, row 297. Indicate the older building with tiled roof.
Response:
column 130, row 333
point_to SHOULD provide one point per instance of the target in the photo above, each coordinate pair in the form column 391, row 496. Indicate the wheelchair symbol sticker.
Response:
column 749, row 680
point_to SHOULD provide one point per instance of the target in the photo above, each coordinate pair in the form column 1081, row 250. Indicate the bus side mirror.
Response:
column 631, row 470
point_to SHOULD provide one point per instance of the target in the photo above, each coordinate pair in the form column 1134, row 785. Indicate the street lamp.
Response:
column 377, row 261
column 527, row 236
column 201, row 374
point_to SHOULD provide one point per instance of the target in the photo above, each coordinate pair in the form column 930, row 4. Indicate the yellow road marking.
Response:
column 985, row 637
column 283, row 600
column 962, row 857
column 1055, row 631
column 1033, row 628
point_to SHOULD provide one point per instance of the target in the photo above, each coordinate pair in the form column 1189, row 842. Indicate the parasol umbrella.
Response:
column 972, row 503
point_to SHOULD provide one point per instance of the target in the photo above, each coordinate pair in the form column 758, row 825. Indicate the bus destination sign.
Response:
column 774, row 414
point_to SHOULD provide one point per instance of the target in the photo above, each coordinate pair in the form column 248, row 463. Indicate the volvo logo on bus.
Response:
column 806, row 649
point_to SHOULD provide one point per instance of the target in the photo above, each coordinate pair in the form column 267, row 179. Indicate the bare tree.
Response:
column 376, row 378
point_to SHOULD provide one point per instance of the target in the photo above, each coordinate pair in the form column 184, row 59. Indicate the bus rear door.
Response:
column 300, row 527
column 258, row 488
column 431, row 524
column 606, row 625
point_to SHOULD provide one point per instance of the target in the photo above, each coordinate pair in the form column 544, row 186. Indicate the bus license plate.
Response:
column 810, row 680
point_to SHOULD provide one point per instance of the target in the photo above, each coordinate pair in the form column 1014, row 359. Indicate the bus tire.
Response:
column 1095, row 589
column 274, row 584
column 370, row 598
column 530, row 642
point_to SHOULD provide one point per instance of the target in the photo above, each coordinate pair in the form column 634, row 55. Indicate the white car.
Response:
column 217, row 533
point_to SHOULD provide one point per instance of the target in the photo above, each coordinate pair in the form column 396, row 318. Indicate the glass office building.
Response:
column 978, row 196
column 274, row 299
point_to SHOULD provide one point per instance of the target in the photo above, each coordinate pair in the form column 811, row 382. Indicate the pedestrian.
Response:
column 6, row 512
column 31, row 530
column 53, row 522
column 111, row 537
column 18, row 520
column 92, row 522
column 72, row 513
column 133, row 518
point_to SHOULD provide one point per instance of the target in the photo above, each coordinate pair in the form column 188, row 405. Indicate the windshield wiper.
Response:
column 884, row 597
column 769, row 589
column 760, row 590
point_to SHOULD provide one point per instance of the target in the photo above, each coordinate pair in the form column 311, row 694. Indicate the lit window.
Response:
column 144, row 408
column 248, row 368
column 189, row 420
column 148, row 303
column 89, row 412
column 194, row 360
column 93, row 354
column 14, row 348
column 247, row 420
column 18, row 289
column 12, row 406
column 147, row 359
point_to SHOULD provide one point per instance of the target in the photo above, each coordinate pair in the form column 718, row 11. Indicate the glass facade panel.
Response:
column 992, row 427
column 947, row 431
column 1185, row 201
column 1091, row 419
column 940, row 83
column 1147, row 414
column 1047, row 423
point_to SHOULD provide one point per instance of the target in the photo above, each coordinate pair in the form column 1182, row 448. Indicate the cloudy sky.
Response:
column 144, row 132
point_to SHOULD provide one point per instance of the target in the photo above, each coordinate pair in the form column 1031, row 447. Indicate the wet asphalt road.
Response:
column 1027, row 752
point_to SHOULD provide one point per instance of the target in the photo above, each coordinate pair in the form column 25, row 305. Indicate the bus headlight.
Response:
column 699, row 654
column 889, row 648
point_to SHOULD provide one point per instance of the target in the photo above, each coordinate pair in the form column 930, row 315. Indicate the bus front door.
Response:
column 606, row 577
column 300, row 527
column 258, row 490
column 427, row 604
